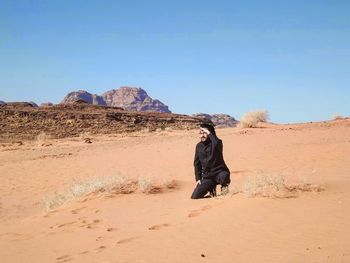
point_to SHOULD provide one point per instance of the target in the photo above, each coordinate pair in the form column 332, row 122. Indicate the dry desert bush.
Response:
column 275, row 186
column 42, row 139
column 251, row 119
column 84, row 135
column 338, row 117
column 148, row 186
column 111, row 186
column 42, row 136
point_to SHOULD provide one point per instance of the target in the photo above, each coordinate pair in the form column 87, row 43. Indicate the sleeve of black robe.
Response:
column 216, row 146
column 197, row 166
column 216, row 151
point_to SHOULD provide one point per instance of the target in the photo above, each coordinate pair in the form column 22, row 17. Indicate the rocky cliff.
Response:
column 85, row 96
column 219, row 120
column 46, row 104
column 133, row 99
column 24, row 121
column 128, row 98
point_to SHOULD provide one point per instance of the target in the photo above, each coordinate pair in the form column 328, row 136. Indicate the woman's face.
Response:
column 203, row 135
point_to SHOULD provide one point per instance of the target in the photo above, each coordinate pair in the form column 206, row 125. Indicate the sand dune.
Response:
column 167, row 226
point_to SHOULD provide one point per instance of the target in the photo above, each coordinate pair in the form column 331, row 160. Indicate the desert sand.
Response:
column 309, row 226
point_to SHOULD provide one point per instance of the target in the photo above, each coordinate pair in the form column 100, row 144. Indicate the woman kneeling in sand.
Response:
column 209, row 165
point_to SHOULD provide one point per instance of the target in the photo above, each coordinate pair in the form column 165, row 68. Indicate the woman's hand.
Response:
column 205, row 130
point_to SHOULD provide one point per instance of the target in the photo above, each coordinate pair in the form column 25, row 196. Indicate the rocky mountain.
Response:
column 134, row 99
column 19, row 104
column 85, row 96
column 46, row 104
column 219, row 120
column 34, row 104
column 128, row 98
column 2, row 102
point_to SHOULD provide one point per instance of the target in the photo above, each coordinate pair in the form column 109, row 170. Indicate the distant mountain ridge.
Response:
column 85, row 96
column 128, row 98
column 219, row 120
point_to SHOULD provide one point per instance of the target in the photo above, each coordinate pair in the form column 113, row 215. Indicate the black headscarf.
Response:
column 209, row 127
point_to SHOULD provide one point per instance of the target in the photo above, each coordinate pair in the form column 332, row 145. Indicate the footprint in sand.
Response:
column 157, row 227
column 86, row 199
column 126, row 240
column 67, row 224
column 91, row 224
column 195, row 213
column 63, row 225
column 111, row 229
column 100, row 249
column 76, row 211
column 99, row 238
column 64, row 258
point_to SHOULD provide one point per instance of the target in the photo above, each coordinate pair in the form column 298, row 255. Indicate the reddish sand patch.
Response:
column 168, row 226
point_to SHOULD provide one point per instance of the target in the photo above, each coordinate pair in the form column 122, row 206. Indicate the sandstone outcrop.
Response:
column 219, row 120
column 46, row 104
column 134, row 99
column 19, row 105
column 34, row 104
column 128, row 98
column 23, row 121
column 83, row 95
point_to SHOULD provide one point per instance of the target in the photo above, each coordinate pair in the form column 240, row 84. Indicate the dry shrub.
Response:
column 275, row 186
column 42, row 139
column 251, row 119
column 172, row 184
column 144, row 184
column 147, row 186
column 110, row 186
column 42, row 136
column 338, row 117
column 305, row 187
column 84, row 135
column 261, row 184
column 145, row 130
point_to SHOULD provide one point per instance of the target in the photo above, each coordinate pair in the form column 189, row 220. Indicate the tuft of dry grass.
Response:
column 259, row 184
column 42, row 139
column 338, row 117
column 275, row 186
column 251, row 119
column 42, row 136
column 145, row 184
column 110, row 186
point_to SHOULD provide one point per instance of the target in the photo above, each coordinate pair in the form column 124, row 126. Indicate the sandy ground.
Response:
column 169, row 226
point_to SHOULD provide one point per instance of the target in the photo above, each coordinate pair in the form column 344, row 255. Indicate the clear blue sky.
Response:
column 289, row 57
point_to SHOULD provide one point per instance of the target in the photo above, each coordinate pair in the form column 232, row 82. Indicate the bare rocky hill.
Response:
column 46, row 104
column 128, row 98
column 219, row 120
column 85, row 96
column 23, row 121
column 133, row 99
